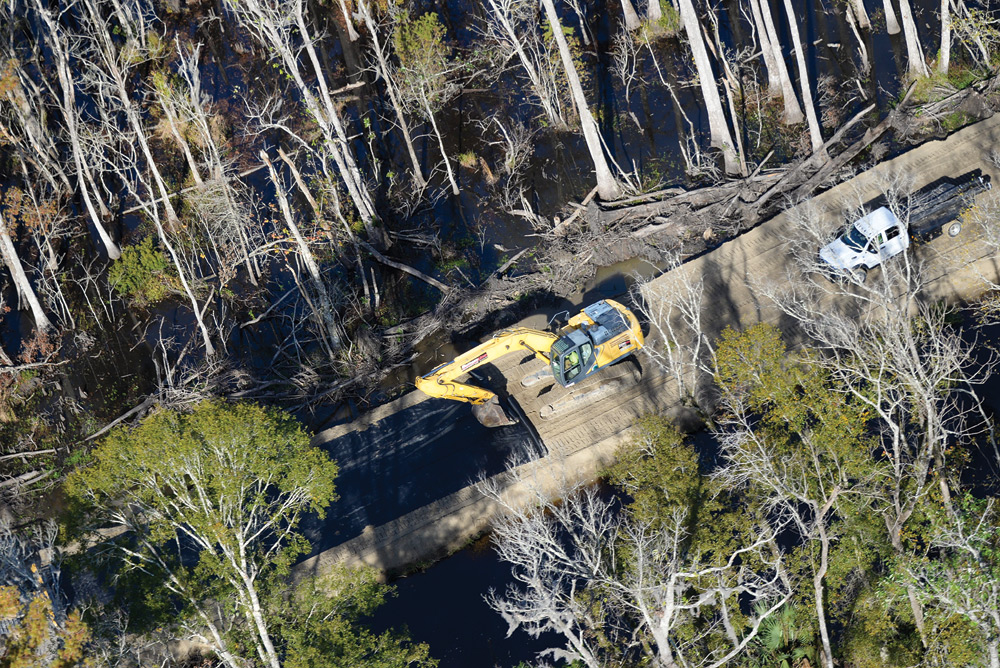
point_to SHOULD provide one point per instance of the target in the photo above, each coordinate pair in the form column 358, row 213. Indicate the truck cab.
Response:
column 880, row 235
column 870, row 240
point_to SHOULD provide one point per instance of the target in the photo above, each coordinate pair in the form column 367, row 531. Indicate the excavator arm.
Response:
column 441, row 382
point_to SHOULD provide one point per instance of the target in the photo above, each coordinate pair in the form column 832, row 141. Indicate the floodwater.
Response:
column 445, row 607
column 444, row 604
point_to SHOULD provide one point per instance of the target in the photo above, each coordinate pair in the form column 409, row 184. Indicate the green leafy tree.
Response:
column 35, row 638
column 785, row 642
column 211, row 500
column 799, row 447
column 141, row 274
column 682, row 535
column 958, row 578
column 658, row 470
column 36, row 628
column 319, row 624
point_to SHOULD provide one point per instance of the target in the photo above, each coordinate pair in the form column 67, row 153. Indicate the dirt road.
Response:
column 580, row 441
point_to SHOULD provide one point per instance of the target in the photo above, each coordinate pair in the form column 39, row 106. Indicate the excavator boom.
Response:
column 600, row 335
column 441, row 381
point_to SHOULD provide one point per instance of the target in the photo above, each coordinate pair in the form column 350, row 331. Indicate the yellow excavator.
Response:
column 600, row 335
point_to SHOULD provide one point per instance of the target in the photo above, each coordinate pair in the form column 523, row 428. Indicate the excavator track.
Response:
column 559, row 400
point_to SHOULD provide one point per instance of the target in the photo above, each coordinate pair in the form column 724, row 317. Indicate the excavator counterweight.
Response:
column 600, row 335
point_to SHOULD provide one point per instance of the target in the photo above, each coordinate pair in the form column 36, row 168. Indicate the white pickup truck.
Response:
column 880, row 234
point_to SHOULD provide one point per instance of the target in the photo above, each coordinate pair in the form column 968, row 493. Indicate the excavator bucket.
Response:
column 492, row 414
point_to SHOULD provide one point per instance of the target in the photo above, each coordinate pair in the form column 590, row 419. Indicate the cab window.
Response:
column 586, row 350
column 572, row 364
column 892, row 232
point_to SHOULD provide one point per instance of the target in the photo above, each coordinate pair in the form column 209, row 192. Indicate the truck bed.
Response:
column 938, row 203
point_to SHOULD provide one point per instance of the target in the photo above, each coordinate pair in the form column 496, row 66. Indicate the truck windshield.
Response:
column 854, row 239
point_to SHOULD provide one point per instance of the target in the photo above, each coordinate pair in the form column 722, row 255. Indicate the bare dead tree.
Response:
column 944, row 53
column 891, row 22
column 793, row 112
column 511, row 27
column 654, row 13
column 632, row 20
column 550, row 571
column 718, row 126
column 426, row 73
column 21, row 282
column 815, row 134
column 563, row 550
column 61, row 48
column 281, row 27
column 325, row 312
column 220, row 203
column 858, row 10
column 23, row 112
column 983, row 216
column 607, row 184
column 674, row 305
column 914, row 53
column 766, row 48
column 385, row 71
column 977, row 30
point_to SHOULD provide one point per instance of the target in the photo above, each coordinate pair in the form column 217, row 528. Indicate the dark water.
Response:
column 444, row 607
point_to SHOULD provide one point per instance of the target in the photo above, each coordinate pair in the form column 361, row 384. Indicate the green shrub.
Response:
column 142, row 273
column 670, row 22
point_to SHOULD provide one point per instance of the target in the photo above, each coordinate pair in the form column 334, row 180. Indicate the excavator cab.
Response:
column 573, row 358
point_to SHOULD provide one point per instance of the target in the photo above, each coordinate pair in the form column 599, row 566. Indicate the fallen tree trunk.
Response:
column 741, row 203
column 416, row 273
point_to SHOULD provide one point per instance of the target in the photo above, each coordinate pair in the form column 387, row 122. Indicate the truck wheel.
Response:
column 954, row 229
column 859, row 274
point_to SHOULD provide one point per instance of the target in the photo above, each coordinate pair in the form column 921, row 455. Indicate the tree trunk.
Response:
column 793, row 112
column 325, row 315
column 858, row 7
column 766, row 50
column 71, row 118
column 607, row 186
column 862, row 48
column 653, row 11
column 632, row 21
column 718, row 128
column 891, row 24
column 239, row 564
column 815, row 134
column 385, row 72
column 356, row 186
column 300, row 182
column 352, row 34
column 444, row 155
column 914, row 54
column 170, row 113
column 551, row 110
column 818, row 593
column 944, row 59
column 21, row 282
